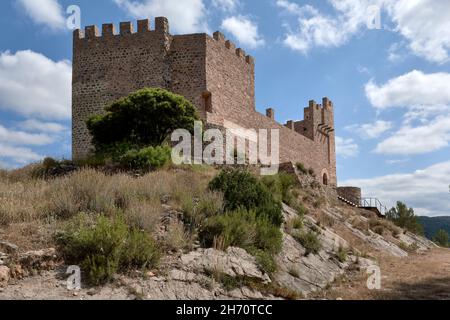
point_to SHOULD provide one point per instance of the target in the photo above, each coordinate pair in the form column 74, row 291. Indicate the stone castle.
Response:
column 217, row 77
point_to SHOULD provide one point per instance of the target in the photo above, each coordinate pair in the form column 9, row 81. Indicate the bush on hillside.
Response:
column 309, row 240
column 280, row 186
column 106, row 246
column 242, row 228
column 146, row 158
column 243, row 190
column 301, row 167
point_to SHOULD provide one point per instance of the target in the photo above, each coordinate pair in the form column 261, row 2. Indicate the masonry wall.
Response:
column 110, row 65
column 230, row 79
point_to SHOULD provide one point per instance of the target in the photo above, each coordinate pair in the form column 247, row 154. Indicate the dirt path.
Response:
column 419, row 276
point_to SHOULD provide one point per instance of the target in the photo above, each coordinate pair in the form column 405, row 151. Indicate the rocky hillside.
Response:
column 326, row 242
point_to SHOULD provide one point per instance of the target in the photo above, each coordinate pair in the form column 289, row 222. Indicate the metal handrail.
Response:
column 373, row 203
column 367, row 203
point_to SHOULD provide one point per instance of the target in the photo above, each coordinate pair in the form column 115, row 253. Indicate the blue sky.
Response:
column 390, row 86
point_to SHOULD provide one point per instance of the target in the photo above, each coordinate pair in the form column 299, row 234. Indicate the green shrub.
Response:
column 309, row 240
column 197, row 210
column 378, row 230
column 146, row 158
column 111, row 152
column 272, row 183
column 265, row 260
column 242, row 228
column 105, row 246
column 441, row 238
column 301, row 167
column 49, row 163
column 301, row 210
column 297, row 223
column 342, row 254
column 242, row 190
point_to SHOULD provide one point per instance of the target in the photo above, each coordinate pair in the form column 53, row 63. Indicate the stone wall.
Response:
column 350, row 193
column 209, row 71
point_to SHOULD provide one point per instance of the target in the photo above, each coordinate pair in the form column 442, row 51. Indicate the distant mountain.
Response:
column 432, row 225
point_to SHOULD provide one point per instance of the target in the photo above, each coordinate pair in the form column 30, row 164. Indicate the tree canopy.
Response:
column 144, row 118
column 405, row 218
column 441, row 238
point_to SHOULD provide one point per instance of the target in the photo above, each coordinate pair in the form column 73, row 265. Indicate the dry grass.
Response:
column 32, row 210
column 360, row 224
column 326, row 220
column 23, row 199
column 381, row 226
column 177, row 237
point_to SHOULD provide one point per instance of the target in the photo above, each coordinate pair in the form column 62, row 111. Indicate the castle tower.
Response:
column 211, row 72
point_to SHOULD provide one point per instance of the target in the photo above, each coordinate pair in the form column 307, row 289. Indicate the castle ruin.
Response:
column 217, row 77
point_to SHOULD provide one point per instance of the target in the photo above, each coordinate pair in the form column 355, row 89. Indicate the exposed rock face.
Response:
column 422, row 243
column 378, row 242
column 8, row 247
column 197, row 275
column 4, row 275
column 306, row 274
column 234, row 262
column 3, row 258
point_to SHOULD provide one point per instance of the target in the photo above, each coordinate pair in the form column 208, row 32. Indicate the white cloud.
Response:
column 424, row 24
column 346, row 148
column 39, row 126
column 414, row 89
column 316, row 29
column 410, row 140
column 186, row 16
column 244, row 30
column 397, row 161
column 32, row 84
column 18, row 155
column 425, row 190
column 44, row 12
column 13, row 137
column 394, row 52
column 226, row 5
column 426, row 99
column 371, row 130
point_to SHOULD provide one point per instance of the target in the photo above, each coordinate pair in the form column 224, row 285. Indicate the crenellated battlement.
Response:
column 214, row 74
column 125, row 29
column 229, row 45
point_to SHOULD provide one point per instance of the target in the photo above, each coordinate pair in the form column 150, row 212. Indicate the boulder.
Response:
column 8, row 247
column 40, row 259
column 4, row 275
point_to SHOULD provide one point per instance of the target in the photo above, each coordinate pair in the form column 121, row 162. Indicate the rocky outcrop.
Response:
column 306, row 274
column 4, row 275
column 235, row 262
column 202, row 273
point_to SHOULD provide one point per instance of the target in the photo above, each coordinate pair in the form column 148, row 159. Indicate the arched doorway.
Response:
column 325, row 179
